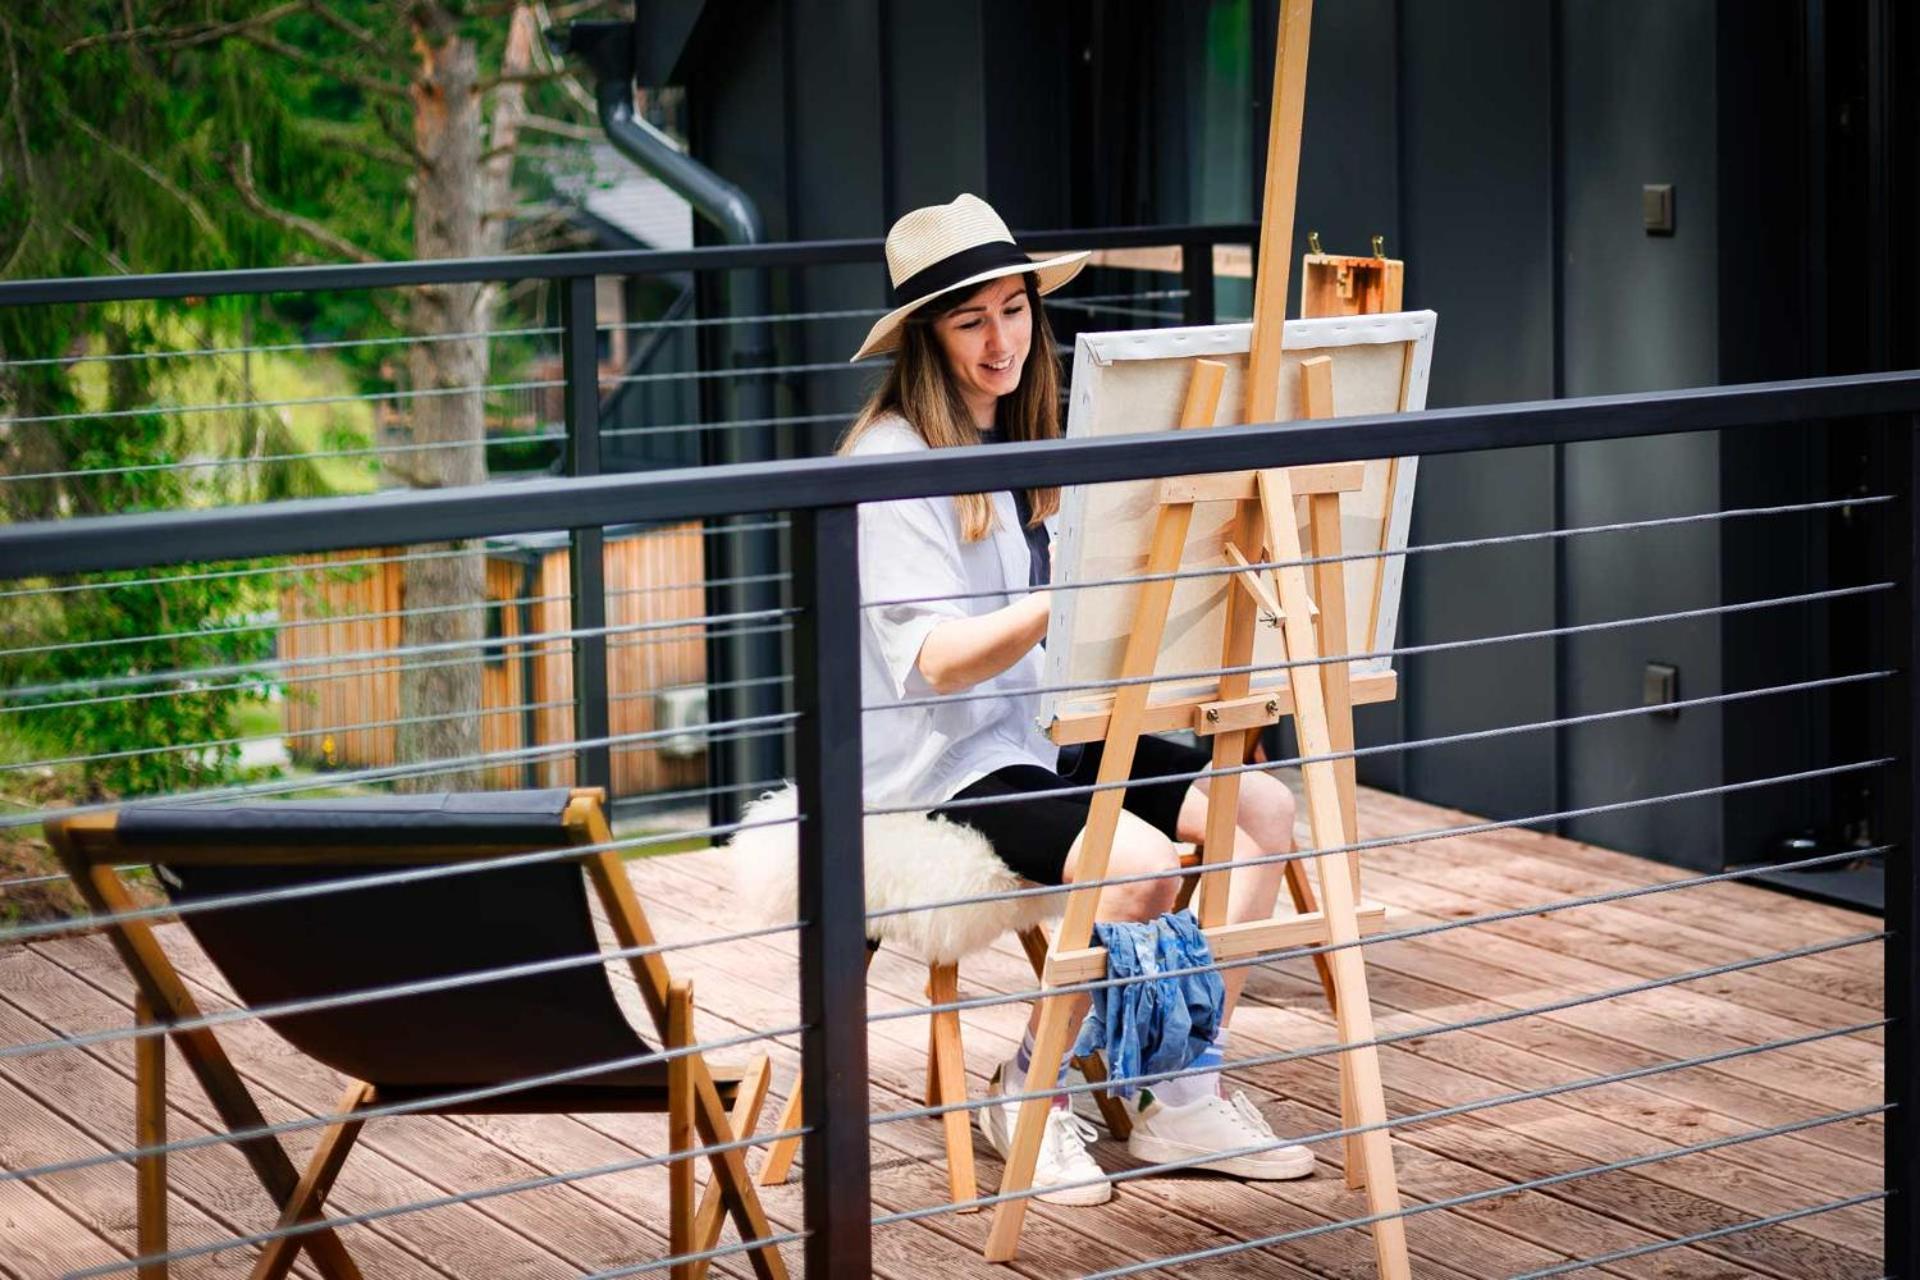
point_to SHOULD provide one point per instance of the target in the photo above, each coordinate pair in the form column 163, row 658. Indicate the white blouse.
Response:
column 912, row 549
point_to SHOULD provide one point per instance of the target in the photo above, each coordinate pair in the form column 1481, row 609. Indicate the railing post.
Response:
column 1196, row 277
column 1901, row 821
column 833, row 953
column 580, row 369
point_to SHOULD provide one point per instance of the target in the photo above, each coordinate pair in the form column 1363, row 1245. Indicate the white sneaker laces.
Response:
column 1067, row 1136
column 1250, row 1114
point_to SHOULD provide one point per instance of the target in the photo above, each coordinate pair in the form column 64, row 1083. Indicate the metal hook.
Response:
column 1379, row 246
column 1313, row 242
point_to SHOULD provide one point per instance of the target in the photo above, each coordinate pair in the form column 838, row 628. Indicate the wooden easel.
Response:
column 1264, row 528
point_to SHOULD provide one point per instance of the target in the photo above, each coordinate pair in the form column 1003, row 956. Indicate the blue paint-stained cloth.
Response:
column 1156, row 1024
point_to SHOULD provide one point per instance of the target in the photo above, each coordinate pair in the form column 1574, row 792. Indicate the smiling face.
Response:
column 985, row 341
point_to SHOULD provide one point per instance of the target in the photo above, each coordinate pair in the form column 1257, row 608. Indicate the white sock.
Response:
column 1203, row 1080
column 1013, row 1078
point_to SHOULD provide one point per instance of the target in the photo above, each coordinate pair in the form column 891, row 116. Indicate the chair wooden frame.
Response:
column 714, row 1105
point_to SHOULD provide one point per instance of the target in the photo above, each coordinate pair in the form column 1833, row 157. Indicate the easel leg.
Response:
column 150, row 1130
column 1112, row 1108
column 1049, row 1044
column 1354, row 1013
column 1103, row 821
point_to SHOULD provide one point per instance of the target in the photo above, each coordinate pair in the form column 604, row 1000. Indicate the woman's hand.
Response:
column 959, row 654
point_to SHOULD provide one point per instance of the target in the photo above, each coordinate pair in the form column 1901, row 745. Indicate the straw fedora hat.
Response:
column 946, row 247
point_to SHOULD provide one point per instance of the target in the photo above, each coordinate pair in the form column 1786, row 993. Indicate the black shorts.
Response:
column 1034, row 837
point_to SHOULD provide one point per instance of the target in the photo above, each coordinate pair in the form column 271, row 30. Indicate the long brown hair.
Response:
column 919, row 388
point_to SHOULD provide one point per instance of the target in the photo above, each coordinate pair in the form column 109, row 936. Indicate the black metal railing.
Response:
column 821, row 496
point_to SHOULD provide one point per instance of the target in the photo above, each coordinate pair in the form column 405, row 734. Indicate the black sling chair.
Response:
column 418, row 1047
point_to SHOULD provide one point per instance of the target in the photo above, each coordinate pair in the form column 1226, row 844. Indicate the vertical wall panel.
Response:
column 1476, row 188
column 1639, row 103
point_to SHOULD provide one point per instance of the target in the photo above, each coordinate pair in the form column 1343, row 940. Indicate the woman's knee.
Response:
column 1267, row 811
column 1141, row 850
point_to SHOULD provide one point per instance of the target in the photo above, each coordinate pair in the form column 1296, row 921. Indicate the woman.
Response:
column 958, row 605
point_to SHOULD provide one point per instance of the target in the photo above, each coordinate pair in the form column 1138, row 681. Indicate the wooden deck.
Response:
column 76, row 1102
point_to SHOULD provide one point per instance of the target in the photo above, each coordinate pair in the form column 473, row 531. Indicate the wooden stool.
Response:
column 947, row 1080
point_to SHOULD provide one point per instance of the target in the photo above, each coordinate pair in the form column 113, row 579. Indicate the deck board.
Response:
column 79, row 1101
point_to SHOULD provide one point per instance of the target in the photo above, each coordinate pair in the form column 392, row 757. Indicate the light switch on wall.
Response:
column 1660, row 686
column 1656, row 208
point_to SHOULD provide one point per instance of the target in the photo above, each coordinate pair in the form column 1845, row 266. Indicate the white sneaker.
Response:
column 1084, row 1104
column 1163, row 1133
column 1063, row 1149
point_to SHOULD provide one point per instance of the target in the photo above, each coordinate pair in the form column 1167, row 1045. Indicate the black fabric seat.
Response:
column 471, row 1036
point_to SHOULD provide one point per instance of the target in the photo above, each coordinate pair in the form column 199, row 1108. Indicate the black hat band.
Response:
column 950, row 271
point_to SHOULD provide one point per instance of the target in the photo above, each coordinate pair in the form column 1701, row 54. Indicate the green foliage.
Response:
column 77, row 644
column 148, row 136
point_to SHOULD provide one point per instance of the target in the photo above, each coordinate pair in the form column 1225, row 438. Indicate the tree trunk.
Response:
column 447, row 218
column 457, row 194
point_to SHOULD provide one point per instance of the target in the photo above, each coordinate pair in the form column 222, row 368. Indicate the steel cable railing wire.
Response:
column 386, row 615
column 1279, row 1056
column 1438, row 1113
column 368, row 995
column 532, row 644
column 374, row 995
column 117, row 357
column 448, row 1100
column 346, row 565
column 660, row 1264
column 730, row 424
column 652, row 798
column 1388, row 842
column 295, row 624
column 390, row 773
column 1267, row 959
column 632, row 326
column 363, row 726
column 261, row 459
column 447, row 1201
column 750, row 682
column 1462, row 544
column 1417, row 744
column 1702, row 1237
column 210, row 744
column 373, row 880
column 483, row 644
column 1491, row 1193
column 187, row 690
column 252, row 406
column 1401, row 651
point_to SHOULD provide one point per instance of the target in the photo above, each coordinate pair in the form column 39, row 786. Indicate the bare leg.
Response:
column 1266, row 827
column 1137, row 849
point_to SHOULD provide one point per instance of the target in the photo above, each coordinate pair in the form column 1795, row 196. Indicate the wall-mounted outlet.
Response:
column 1656, row 208
column 1660, row 687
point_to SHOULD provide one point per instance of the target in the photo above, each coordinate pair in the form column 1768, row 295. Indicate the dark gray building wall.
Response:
column 1637, row 89
column 1477, row 235
column 1500, row 146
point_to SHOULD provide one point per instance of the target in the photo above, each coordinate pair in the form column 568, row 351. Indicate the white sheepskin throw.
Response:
column 911, row 858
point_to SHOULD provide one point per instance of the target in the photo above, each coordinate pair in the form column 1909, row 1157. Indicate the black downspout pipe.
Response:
column 737, row 664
